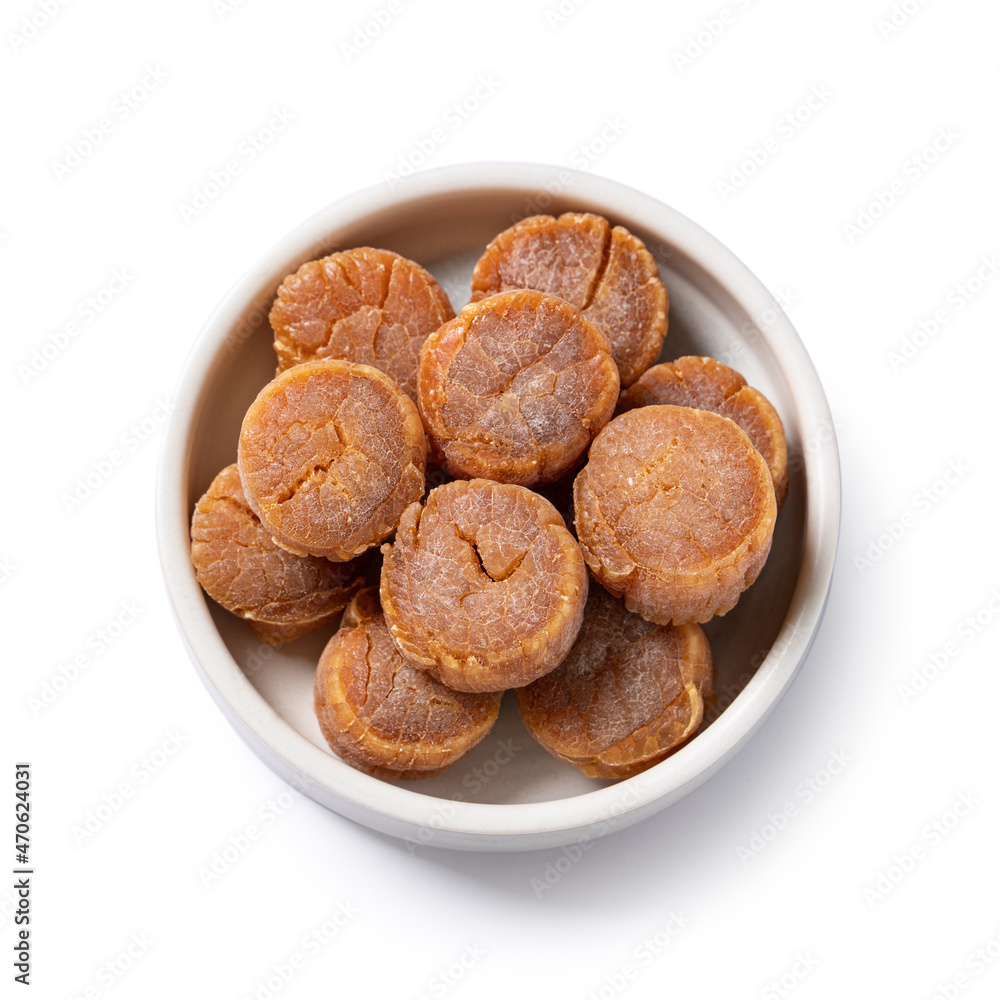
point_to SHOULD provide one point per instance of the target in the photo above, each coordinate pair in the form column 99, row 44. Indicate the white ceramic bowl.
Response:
column 507, row 794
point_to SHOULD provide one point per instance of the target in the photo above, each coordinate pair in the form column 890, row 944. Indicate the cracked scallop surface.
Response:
column 483, row 586
column 675, row 512
column 282, row 596
column 330, row 454
column 364, row 305
column 707, row 384
column 605, row 271
column 515, row 388
column 629, row 693
column 385, row 716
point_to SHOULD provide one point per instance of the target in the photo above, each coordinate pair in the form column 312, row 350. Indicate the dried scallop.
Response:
column 330, row 454
column 484, row 586
column 707, row 384
column 605, row 271
column 282, row 596
column 675, row 512
column 385, row 716
column 629, row 693
column 364, row 305
column 515, row 388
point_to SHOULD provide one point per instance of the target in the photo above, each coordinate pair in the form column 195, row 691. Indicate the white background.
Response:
column 825, row 908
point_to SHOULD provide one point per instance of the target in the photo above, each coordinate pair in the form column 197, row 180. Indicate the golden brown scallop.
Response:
column 707, row 384
column 607, row 273
column 483, row 585
column 330, row 454
column 629, row 693
column 675, row 512
column 515, row 388
column 281, row 595
column 365, row 305
column 385, row 716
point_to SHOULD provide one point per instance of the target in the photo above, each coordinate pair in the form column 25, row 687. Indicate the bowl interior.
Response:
column 446, row 233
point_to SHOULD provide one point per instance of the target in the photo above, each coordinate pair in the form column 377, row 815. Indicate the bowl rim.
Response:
column 396, row 808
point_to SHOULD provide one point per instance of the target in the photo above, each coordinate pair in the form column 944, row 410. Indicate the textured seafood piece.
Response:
column 707, row 384
column 605, row 272
column 365, row 305
column 385, row 716
column 515, row 388
column 483, row 586
column 281, row 595
column 629, row 693
column 675, row 511
column 330, row 454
